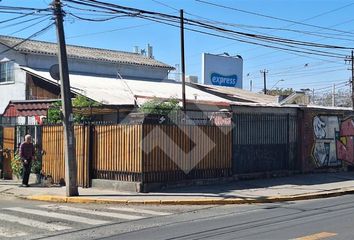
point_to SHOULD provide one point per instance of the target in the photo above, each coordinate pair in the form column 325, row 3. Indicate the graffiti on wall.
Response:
column 345, row 142
column 324, row 149
column 334, row 141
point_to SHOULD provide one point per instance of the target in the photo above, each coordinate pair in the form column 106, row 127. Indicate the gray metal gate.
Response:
column 264, row 142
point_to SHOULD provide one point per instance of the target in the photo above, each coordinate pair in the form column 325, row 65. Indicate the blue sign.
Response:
column 226, row 81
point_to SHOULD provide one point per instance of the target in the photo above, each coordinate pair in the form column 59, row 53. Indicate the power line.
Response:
column 163, row 16
column 43, row 30
column 32, row 24
column 277, row 18
column 172, row 18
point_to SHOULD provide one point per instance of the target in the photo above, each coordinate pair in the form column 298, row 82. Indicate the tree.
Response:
column 158, row 106
column 342, row 98
column 54, row 112
column 280, row 92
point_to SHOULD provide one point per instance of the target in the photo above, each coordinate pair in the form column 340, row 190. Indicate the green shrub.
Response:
column 16, row 165
column 162, row 107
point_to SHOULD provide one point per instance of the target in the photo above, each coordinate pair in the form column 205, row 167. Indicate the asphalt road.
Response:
column 331, row 218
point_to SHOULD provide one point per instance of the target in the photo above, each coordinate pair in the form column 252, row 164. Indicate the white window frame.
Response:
column 9, row 76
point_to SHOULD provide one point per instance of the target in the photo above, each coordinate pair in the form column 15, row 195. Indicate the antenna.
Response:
column 126, row 84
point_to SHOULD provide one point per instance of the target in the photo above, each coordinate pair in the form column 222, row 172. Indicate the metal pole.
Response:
column 183, row 68
column 264, row 80
column 313, row 95
column 69, row 138
column 251, row 87
column 352, row 59
column 334, row 95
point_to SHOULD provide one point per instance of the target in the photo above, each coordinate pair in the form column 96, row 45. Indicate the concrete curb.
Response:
column 204, row 201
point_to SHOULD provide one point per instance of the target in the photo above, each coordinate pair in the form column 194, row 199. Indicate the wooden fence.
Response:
column 173, row 153
column 53, row 153
column 117, row 152
column 141, row 153
column 8, row 150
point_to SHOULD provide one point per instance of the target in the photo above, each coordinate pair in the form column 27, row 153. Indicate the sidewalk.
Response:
column 299, row 187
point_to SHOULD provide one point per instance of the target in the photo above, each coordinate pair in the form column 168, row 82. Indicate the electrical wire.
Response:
column 43, row 30
column 32, row 24
column 307, row 51
column 110, row 6
column 276, row 18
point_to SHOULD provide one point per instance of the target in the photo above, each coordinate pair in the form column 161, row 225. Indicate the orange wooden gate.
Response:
column 8, row 150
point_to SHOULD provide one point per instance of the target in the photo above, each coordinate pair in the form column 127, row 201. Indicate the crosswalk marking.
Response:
column 93, row 212
column 67, row 217
column 125, row 209
column 8, row 233
column 32, row 223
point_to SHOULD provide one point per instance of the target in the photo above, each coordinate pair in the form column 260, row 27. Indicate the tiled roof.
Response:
column 80, row 52
column 28, row 108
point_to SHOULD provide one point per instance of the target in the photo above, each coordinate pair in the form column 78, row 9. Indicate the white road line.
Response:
column 32, row 223
column 144, row 211
column 9, row 233
column 62, row 216
column 93, row 212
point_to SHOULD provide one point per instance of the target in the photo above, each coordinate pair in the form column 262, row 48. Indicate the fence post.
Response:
column 90, row 151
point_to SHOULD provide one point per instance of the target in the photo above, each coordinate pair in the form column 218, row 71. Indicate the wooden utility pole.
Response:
column 183, row 68
column 69, row 138
column 264, row 72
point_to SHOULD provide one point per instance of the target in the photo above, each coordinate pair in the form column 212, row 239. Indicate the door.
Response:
column 8, row 150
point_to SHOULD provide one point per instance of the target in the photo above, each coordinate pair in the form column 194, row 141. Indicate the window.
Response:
column 6, row 71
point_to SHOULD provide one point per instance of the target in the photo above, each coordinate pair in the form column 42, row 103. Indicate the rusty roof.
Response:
column 28, row 108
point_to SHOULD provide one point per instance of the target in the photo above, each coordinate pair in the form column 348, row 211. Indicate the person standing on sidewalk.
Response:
column 27, row 155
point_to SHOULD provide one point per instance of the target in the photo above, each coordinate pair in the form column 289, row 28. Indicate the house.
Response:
column 16, row 53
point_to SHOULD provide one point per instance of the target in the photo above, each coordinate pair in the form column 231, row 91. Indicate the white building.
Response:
column 15, row 54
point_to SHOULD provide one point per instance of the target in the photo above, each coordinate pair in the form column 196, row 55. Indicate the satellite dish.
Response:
column 54, row 72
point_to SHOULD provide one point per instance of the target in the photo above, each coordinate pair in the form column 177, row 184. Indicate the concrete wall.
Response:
column 325, row 139
column 12, row 90
column 98, row 68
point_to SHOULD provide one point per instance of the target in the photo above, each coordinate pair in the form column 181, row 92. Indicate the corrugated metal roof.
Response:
column 239, row 94
column 80, row 52
column 112, row 91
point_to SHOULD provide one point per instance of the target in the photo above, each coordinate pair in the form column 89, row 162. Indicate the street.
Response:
column 330, row 218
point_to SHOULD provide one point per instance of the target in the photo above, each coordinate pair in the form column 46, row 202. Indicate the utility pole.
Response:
column 351, row 60
column 264, row 72
column 251, row 87
column 313, row 96
column 334, row 95
column 183, row 68
column 352, row 68
column 69, row 138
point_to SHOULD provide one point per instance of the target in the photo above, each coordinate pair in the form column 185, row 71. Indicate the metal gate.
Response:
column 264, row 142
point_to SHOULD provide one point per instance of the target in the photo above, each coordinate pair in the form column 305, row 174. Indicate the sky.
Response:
column 285, row 70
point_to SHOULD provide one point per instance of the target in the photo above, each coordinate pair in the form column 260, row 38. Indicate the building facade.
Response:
column 15, row 84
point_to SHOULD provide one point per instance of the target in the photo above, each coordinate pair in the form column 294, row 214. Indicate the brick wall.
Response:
column 309, row 160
